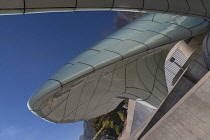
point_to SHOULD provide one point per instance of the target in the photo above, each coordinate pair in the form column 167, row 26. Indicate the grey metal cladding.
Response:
column 70, row 72
column 126, row 51
column 50, row 87
column 198, row 8
column 18, row 4
column 181, row 6
column 206, row 4
column 99, row 4
column 33, row 4
column 161, row 5
column 122, row 66
column 127, row 4
column 40, row 6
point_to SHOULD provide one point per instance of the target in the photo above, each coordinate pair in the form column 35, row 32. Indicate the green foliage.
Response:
column 105, row 124
column 112, row 125
column 118, row 130
column 121, row 115
column 112, row 122
column 126, row 102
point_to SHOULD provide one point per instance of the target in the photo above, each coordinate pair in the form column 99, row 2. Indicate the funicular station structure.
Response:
column 161, row 60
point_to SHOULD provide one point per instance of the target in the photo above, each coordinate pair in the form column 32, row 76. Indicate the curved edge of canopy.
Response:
column 127, row 64
column 197, row 8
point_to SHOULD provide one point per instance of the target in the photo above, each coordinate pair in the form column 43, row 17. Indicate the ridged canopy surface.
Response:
column 127, row 64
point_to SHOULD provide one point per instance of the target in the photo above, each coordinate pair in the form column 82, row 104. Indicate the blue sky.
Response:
column 32, row 48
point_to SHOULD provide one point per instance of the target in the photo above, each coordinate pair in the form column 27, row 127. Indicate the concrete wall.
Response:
column 196, row 70
column 188, row 119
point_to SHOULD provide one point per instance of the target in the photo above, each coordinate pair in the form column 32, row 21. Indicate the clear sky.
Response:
column 32, row 48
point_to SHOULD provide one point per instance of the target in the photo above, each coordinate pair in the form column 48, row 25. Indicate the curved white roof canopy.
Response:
column 127, row 64
column 199, row 8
